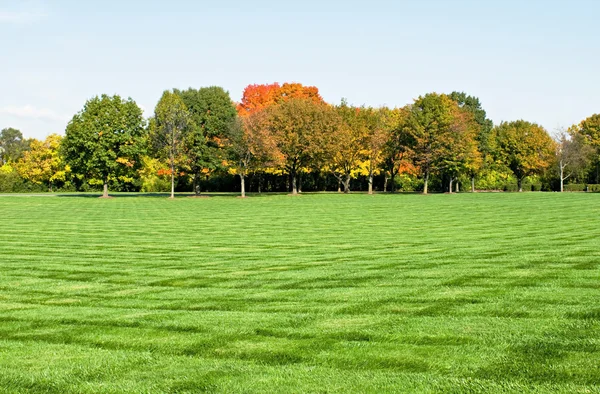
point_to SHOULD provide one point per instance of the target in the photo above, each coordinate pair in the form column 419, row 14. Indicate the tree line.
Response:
column 287, row 138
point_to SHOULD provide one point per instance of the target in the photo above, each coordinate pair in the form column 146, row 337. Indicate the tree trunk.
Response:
column 300, row 183
column 426, row 183
column 450, row 185
column 370, row 182
column 472, row 184
column 339, row 186
column 457, row 187
column 562, row 177
column 385, row 182
column 196, row 185
column 105, row 191
column 520, row 185
column 294, row 187
column 259, row 183
column 243, row 185
column 172, row 179
column 347, row 184
column 393, row 180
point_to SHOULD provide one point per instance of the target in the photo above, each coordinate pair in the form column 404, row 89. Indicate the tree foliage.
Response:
column 258, row 97
column 525, row 147
column 41, row 164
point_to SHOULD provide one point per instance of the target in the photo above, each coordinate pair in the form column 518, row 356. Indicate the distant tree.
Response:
column 397, row 150
column 12, row 145
column 41, row 163
column 105, row 139
column 258, row 97
column 249, row 145
column 436, row 131
column 462, row 157
column 590, row 129
column 170, row 131
column 483, row 132
column 573, row 155
column 213, row 114
column 524, row 147
column 346, row 145
column 299, row 128
column 377, row 136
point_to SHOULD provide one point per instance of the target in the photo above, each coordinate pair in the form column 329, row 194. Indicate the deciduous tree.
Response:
column 298, row 128
column 573, row 155
column 434, row 129
column 12, row 145
column 213, row 114
column 590, row 129
column 172, row 124
column 524, row 147
column 41, row 163
column 105, row 139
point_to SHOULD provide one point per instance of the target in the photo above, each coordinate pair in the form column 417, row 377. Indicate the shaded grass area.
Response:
column 317, row 293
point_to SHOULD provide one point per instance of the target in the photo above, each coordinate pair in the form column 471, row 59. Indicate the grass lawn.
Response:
column 318, row 293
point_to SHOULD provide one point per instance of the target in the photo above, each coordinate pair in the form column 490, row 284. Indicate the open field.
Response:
column 317, row 293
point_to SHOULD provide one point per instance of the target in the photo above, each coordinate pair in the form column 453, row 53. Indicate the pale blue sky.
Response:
column 537, row 60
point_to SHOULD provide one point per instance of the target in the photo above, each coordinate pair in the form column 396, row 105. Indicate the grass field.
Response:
column 318, row 293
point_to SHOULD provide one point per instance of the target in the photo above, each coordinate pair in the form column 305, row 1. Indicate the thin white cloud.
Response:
column 26, row 12
column 31, row 112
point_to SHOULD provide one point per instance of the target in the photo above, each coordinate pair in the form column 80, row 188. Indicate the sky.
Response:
column 537, row 60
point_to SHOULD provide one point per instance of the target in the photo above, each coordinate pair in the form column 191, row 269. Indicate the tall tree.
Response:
column 41, row 163
column 434, row 128
column 213, row 114
column 171, row 127
column 377, row 136
column 12, row 145
column 462, row 156
column 105, row 139
column 249, row 145
column 346, row 146
column 524, row 147
column 573, row 155
column 473, row 105
column 397, row 151
column 298, row 127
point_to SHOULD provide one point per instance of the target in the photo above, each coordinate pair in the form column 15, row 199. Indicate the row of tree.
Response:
column 289, row 132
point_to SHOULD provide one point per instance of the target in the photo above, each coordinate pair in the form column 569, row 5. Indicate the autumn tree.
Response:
column 298, row 128
column 105, row 139
column 213, row 114
column 590, row 130
column 436, row 132
column 573, row 155
column 170, row 130
column 482, row 132
column 463, row 156
column 41, row 164
column 249, row 145
column 524, row 147
column 346, row 145
column 397, row 150
column 260, row 96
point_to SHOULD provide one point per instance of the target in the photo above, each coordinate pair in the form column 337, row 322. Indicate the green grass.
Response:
column 472, row 293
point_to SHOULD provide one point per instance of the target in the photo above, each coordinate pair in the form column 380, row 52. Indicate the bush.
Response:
column 593, row 188
column 575, row 187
